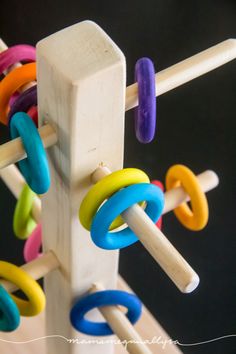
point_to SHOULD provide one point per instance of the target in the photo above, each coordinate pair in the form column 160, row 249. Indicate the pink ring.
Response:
column 160, row 185
column 15, row 54
column 33, row 244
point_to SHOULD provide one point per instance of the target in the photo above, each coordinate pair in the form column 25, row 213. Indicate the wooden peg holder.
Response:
column 82, row 95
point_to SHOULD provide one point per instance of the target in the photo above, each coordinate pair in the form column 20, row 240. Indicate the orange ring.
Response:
column 11, row 83
column 197, row 218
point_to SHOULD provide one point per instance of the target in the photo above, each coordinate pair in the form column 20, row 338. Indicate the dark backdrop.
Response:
column 196, row 127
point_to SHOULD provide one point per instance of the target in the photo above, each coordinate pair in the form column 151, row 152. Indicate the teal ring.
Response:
column 9, row 312
column 118, row 203
column 35, row 167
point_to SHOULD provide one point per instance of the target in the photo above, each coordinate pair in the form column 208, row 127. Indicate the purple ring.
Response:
column 145, row 113
column 20, row 52
column 26, row 100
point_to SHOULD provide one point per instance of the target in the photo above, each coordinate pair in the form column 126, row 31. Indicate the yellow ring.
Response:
column 28, row 285
column 103, row 189
column 197, row 218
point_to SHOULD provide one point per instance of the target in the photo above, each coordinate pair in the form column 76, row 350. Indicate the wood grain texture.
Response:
column 166, row 80
column 156, row 243
column 34, row 327
column 81, row 93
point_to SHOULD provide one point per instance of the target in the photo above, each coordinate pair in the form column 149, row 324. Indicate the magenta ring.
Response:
column 20, row 52
column 145, row 113
column 33, row 244
column 23, row 103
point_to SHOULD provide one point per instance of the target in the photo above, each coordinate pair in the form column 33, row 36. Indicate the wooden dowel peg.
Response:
column 15, row 182
column 37, row 269
column 187, row 70
column 165, row 254
column 176, row 196
column 166, row 80
column 122, row 327
column 13, row 151
column 184, row 71
column 170, row 260
column 173, row 198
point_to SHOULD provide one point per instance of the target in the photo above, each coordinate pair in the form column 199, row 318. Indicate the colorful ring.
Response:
column 33, row 244
column 36, row 298
column 13, row 98
column 197, row 218
column 15, row 54
column 9, row 312
column 145, row 113
column 103, row 189
column 35, row 167
column 160, row 185
column 103, row 298
column 23, row 103
column 23, row 223
column 11, row 83
column 115, row 205
column 33, row 113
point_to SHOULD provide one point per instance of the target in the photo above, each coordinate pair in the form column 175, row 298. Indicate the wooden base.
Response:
column 34, row 327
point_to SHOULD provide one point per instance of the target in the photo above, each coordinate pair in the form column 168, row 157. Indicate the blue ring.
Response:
column 115, row 205
column 103, row 298
column 10, row 315
column 35, row 167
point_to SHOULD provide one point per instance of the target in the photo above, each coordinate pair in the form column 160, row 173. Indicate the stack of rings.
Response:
column 19, row 112
column 123, row 188
column 103, row 298
column 197, row 218
column 11, row 306
column 17, row 77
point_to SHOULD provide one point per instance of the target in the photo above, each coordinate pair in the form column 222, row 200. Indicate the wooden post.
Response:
column 81, row 93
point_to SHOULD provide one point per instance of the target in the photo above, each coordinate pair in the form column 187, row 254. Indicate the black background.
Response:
column 196, row 127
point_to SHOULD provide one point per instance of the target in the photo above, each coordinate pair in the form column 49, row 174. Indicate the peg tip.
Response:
column 192, row 285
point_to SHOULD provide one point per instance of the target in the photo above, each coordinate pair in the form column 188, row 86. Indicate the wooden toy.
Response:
column 79, row 202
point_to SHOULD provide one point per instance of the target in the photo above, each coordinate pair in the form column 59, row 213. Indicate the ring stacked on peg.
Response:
column 69, row 202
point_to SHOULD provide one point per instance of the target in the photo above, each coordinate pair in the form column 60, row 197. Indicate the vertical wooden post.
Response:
column 81, row 92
